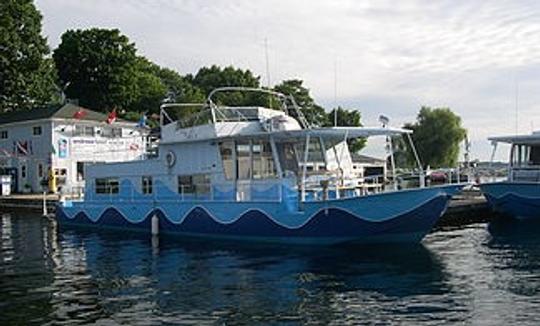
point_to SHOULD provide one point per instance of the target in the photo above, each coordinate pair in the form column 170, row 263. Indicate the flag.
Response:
column 79, row 114
column 142, row 121
column 23, row 148
column 111, row 117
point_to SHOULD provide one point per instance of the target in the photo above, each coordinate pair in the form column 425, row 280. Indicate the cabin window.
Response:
column 263, row 162
column 243, row 160
column 147, row 185
column 535, row 156
column 227, row 151
column 287, row 158
column 36, row 131
column 197, row 184
column 4, row 134
column 83, row 131
column 107, row 186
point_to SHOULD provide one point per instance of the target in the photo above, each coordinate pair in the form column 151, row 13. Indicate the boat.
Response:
column 519, row 195
column 241, row 173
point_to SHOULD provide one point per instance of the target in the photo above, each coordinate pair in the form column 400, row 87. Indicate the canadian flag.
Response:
column 111, row 117
column 79, row 114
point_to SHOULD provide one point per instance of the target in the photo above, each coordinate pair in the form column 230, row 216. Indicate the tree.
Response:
column 210, row 78
column 314, row 113
column 351, row 118
column 437, row 134
column 27, row 74
column 180, row 88
column 99, row 67
column 150, row 89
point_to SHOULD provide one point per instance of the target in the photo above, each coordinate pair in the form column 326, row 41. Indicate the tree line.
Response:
column 101, row 69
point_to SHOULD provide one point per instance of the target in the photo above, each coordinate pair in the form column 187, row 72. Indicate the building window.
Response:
column 111, row 132
column 40, row 170
column 23, row 171
column 147, row 185
column 36, row 131
column 107, row 186
column 83, row 131
column 3, row 134
column 197, row 184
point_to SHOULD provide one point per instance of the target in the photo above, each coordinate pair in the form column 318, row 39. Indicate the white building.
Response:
column 64, row 139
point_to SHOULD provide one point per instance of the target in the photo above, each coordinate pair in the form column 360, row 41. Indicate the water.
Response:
column 463, row 275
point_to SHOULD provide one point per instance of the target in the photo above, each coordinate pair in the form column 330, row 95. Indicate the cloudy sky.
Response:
column 479, row 58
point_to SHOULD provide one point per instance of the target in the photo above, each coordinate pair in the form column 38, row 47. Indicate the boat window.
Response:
column 287, row 158
column 226, row 149
column 107, row 186
column 535, row 155
column 147, row 185
column 243, row 160
column 520, row 155
column 197, row 184
column 263, row 162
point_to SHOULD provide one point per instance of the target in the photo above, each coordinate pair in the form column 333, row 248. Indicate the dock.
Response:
column 32, row 202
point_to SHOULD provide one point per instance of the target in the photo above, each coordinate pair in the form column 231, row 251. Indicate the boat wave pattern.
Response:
column 320, row 219
column 520, row 200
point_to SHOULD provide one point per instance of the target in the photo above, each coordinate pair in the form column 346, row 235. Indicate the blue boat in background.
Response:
column 242, row 173
column 519, row 195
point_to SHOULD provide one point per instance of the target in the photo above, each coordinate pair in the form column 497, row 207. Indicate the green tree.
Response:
column 437, row 134
column 100, row 68
column 349, row 118
column 180, row 88
column 150, row 89
column 27, row 74
column 210, row 78
column 313, row 112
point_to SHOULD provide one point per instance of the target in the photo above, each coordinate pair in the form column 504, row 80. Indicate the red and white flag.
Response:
column 79, row 114
column 111, row 117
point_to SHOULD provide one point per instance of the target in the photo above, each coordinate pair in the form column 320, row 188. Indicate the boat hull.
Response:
column 518, row 200
column 404, row 216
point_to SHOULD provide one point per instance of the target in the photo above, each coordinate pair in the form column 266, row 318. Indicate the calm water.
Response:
column 469, row 275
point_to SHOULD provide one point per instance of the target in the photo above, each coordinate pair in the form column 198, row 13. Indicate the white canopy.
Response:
column 332, row 132
column 532, row 139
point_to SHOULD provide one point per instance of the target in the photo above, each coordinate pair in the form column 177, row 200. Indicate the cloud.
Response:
column 391, row 57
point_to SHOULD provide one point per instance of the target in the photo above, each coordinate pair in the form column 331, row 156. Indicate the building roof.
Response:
column 66, row 111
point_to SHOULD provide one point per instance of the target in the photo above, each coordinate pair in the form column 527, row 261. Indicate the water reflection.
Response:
column 75, row 276
column 246, row 283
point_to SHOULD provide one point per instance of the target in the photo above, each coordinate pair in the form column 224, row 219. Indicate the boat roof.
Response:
column 532, row 139
column 329, row 133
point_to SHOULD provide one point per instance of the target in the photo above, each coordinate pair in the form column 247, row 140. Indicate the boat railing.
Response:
column 525, row 174
column 245, row 191
column 212, row 112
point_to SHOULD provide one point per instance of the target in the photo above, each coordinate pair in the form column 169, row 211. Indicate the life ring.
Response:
column 170, row 159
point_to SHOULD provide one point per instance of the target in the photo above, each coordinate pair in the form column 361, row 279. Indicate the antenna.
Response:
column 516, row 102
column 335, row 92
column 267, row 62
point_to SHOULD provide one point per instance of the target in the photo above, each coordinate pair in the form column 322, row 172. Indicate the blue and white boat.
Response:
column 242, row 173
column 519, row 195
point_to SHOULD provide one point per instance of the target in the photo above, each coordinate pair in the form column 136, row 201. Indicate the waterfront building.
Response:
column 61, row 140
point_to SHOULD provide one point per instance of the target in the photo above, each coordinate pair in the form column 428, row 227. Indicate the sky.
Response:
column 480, row 58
